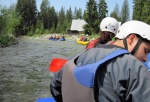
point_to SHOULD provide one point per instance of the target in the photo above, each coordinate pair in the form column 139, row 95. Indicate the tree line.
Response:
column 23, row 18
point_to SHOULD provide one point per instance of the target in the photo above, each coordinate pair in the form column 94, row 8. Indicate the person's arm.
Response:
column 122, row 80
column 138, row 88
column 55, row 86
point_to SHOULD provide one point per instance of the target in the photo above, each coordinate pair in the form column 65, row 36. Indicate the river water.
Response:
column 24, row 75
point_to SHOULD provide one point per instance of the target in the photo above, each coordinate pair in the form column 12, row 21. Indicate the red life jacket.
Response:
column 91, row 44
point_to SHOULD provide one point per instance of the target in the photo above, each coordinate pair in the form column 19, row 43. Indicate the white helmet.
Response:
column 109, row 24
column 136, row 27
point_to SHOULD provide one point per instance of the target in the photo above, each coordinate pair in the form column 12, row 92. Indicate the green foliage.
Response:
column 61, row 18
column 125, row 11
column 45, row 7
column 141, row 10
column 31, row 32
column 48, row 15
column 68, row 18
column 146, row 12
column 137, row 9
column 6, row 40
column 77, row 13
column 28, row 11
column 37, row 31
column 25, row 19
column 116, row 13
column 47, row 31
column 87, row 29
column 9, row 20
column 93, row 15
column 102, row 9
column 90, row 16
column 3, row 16
column 13, row 20
column 94, row 36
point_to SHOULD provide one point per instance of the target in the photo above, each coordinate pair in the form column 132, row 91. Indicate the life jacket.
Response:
column 91, row 44
column 147, row 64
column 77, row 81
column 81, row 38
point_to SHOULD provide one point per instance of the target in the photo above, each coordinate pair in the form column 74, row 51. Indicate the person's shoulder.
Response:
column 103, row 50
column 130, row 62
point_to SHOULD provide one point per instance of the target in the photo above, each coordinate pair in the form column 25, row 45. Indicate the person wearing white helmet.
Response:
column 109, row 27
column 139, row 32
column 82, row 37
column 123, row 78
column 108, row 73
column 132, row 29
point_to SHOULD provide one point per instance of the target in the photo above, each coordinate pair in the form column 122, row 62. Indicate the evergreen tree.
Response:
column 28, row 11
column 69, row 17
column 137, row 9
column 102, row 9
column 141, row 10
column 79, row 14
column 145, row 17
column 3, row 16
column 13, row 20
column 62, row 15
column 91, row 17
column 61, row 21
column 116, row 13
column 75, row 13
column 45, row 7
column 125, row 12
column 53, row 17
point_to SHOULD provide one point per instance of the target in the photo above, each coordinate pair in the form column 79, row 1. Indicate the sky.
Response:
column 74, row 3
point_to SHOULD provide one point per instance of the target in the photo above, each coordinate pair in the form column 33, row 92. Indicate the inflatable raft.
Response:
column 83, row 42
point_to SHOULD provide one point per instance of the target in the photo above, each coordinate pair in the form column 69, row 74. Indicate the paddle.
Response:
column 56, row 64
column 48, row 99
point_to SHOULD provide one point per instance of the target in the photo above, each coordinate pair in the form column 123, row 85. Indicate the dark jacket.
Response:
column 55, row 86
column 122, row 79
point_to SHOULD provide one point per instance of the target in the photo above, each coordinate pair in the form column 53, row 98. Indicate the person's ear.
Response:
column 132, row 39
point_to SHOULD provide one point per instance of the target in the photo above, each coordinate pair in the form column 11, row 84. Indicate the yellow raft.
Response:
column 83, row 42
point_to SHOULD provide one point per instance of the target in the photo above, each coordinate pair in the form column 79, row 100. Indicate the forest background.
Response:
column 24, row 19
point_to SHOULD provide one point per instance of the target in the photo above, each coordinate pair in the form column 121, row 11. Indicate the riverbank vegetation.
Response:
column 24, row 19
column 6, row 40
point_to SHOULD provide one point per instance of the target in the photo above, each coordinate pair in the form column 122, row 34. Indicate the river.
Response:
column 24, row 75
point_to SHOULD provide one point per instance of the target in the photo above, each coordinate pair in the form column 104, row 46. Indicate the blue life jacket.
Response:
column 85, row 74
column 147, row 64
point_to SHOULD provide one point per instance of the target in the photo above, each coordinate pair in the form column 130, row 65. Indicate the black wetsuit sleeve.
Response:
column 55, row 86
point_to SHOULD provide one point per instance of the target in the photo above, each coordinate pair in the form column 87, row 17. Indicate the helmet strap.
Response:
column 125, row 43
column 136, row 46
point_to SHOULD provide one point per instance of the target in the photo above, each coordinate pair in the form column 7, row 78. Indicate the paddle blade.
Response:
column 49, row 99
column 56, row 64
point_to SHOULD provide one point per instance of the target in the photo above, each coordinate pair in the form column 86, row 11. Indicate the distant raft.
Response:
column 62, row 39
column 56, row 39
column 53, row 39
column 83, row 42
